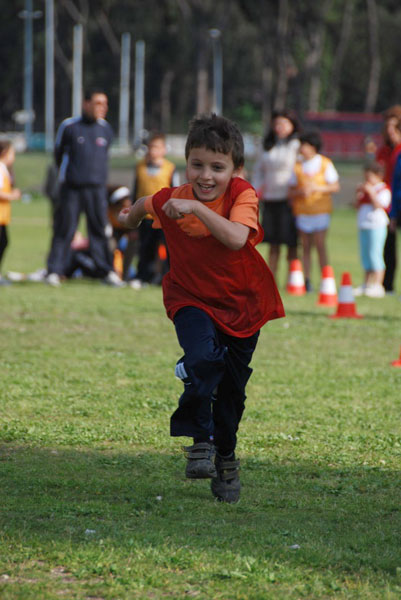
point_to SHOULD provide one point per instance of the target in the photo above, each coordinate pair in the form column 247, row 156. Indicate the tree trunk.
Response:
column 339, row 55
column 315, row 57
column 375, row 62
column 202, row 81
column 165, row 100
column 282, row 30
column 267, row 85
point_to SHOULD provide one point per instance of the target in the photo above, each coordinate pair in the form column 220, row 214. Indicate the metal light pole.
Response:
column 49, row 85
column 217, row 104
column 28, row 15
column 124, row 88
column 139, row 103
column 77, row 71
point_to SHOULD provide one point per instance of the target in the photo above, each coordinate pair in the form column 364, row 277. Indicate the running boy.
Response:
column 7, row 195
column 219, row 292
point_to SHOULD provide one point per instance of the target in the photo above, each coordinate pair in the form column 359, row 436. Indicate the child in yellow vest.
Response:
column 313, row 181
column 7, row 195
column 152, row 173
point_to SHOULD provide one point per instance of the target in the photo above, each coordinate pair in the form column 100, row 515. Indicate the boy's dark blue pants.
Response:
column 218, row 370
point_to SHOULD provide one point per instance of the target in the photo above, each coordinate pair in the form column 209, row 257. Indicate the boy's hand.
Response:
column 176, row 208
column 123, row 216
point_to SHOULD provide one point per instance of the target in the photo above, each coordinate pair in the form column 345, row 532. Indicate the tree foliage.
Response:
column 333, row 54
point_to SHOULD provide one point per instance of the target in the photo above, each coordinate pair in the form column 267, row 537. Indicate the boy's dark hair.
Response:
column 313, row 138
column 270, row 138
column 5, row 145
column 374, row 167
column 217, row 134
column 155, row 135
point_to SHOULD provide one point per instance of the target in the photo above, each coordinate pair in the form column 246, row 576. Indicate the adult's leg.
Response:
column 390, row 260
column 204, row 365
column 3, row 241
column 65, row 223
column 230, row 399
column 95, row 206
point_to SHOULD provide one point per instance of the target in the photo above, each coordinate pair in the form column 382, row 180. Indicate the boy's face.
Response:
column 209, row 173
column 307, row 150
column 156, row 150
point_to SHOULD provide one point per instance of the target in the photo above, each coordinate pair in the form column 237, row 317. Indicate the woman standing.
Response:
column 387, row 155
column 271, row 179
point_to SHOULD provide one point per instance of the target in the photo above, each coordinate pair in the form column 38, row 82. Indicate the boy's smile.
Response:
column 209, row 173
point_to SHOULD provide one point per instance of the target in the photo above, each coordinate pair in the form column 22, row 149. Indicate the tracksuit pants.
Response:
column 218, row 370
column 73, row 200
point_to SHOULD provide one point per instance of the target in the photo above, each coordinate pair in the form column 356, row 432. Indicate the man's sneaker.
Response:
column 53, row 279
column 114, row 280
column 226, row 487
column 200, row 461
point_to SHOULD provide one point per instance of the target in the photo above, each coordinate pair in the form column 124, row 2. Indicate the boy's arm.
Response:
column 131, row 217
column 231, row 234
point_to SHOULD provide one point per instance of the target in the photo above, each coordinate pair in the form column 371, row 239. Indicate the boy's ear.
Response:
column 238, row 171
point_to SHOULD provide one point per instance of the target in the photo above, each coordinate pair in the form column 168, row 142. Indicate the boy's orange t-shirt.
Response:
column 234, row 287
column 244, row 211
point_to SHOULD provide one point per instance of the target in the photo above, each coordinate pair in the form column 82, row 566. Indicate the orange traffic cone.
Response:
column 346, row 303
column 328, row 290
column 397, row 363
column 296, row 281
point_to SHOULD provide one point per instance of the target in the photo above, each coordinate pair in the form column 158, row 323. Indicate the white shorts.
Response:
column 313, row 223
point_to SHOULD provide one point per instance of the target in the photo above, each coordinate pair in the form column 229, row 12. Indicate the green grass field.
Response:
column 93, row 499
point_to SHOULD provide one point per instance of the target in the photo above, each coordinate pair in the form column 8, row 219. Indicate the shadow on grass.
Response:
column 319, row 517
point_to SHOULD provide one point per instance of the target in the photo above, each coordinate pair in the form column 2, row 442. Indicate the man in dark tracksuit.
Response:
column 81, row 154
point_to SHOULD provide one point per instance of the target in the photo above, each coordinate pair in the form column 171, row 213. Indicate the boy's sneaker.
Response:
column 200, row 461
column 226, row 487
